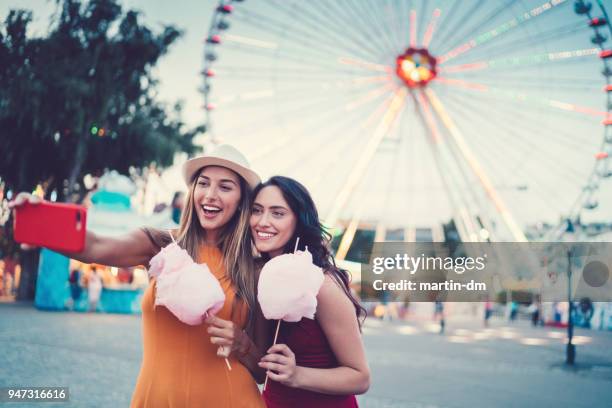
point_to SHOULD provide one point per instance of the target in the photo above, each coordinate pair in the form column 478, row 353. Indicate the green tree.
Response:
column 81, row 99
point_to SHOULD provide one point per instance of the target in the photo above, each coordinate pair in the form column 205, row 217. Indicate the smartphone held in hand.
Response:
column 58, row 226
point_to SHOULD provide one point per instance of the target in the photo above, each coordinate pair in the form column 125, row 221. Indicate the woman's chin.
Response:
column 210, row 223
column 268, row 248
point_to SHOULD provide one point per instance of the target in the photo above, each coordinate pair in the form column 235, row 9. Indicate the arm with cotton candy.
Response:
column 336, row 315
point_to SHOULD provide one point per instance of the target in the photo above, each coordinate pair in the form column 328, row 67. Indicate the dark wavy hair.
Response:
column 312, row 234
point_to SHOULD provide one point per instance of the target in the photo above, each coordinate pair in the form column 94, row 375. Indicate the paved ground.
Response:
column 98, row 357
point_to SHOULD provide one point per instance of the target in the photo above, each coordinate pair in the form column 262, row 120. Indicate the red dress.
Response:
column 311, row 348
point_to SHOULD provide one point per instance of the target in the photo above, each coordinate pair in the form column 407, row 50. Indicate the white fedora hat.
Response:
column 224, row 156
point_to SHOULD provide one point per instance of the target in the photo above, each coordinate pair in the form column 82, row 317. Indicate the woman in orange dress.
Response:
column 183, row 365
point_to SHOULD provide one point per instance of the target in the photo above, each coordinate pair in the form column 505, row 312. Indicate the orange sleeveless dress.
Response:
column 180, row 367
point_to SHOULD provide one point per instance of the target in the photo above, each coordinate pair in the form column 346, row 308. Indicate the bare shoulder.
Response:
column 331, row 294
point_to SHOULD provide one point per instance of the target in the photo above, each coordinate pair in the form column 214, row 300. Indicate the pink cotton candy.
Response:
column 189, row 290
column 288, row 287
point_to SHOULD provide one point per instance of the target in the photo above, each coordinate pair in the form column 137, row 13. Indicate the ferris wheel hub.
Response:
column 416, row 67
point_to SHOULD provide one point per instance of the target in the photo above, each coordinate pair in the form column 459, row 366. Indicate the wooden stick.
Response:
column 297, row 241
column 275, row 337
column 222, row 349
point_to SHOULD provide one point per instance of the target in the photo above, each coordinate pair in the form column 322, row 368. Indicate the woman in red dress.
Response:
column 320, row 362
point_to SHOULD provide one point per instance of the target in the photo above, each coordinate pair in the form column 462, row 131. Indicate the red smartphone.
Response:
column 57, row 226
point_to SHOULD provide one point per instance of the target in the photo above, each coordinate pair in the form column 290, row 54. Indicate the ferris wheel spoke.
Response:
column 500, row 30
column 568, row 84
column 517, row 130
column 333, row 33
column 448, row 171
column 310, row 82
column 431, row 27
column 337, row 148
column 484, row 84
column 414, row 31
column 321, row 140
column 392, row 13
column 560, row 107
column 370, row 66
column 459, row 141
column 577, row 142
column 488, row 155
column 363, row 26
column 383, row 23
column 289, row 93
column 256, row 72
column 313, row 42
column 369, row 16
column 319, row 104
column 368, row 97
column 403, row 11
column 523, row 60
column 451, row 37
column 490, row 149
column 366, row 156
column 529, row 147
column 331, row 64
column 447, row 20
column 510, row 78
column 347, row 23
column 345, row 147
column 315, row 129
column 321, row 76
column 507, row 46
column 391, row 182
column 349, row 87
column 313, row 104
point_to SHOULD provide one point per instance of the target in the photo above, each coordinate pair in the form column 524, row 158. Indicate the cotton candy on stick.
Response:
column 187, row 289
column 288, row 288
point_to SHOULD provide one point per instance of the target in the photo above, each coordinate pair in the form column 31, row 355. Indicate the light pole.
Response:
column 570, row 354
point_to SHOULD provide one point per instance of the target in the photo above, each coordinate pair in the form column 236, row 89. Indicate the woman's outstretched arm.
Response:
column 134, row 248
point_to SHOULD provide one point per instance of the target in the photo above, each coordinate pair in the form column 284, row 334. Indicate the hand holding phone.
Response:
column 57, row 226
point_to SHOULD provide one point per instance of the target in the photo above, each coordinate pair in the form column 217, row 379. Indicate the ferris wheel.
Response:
column 398, row 113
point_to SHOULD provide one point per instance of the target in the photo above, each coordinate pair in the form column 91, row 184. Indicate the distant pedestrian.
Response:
column 513, row 310
column 94, row 288
column 439, row 315
column 178, row 203
column 488, row 312
column 586, row 311
column 75, row 287
column 535, row 310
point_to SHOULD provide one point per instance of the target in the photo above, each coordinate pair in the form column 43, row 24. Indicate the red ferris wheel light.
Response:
column 597, row 22
column 605, row 54
column 601, row 155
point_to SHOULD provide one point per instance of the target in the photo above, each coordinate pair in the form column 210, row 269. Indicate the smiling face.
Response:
column 272, row 221
column 216, row 197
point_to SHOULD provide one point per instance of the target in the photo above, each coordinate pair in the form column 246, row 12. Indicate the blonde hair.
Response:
column 234, row 241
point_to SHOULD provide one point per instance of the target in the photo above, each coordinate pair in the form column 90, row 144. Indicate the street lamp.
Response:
column 570, row 354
